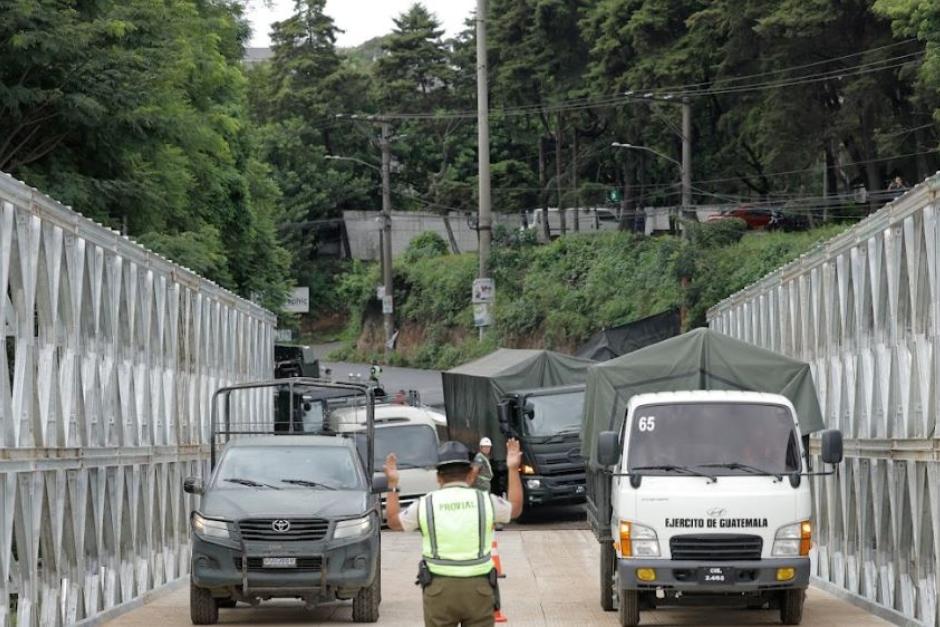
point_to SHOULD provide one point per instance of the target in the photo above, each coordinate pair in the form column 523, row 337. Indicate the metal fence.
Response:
column 110, row 354
column 864, row 310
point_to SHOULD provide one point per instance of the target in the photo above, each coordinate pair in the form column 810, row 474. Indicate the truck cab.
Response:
column 547, row 423
column 709, row 497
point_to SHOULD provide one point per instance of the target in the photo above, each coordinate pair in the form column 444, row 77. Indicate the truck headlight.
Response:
column 210, row 530
column 793, row 540
column 354, row 528
column 637, row 540
column 533, row 484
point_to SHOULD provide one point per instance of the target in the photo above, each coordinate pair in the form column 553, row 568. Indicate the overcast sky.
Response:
column 361, row 19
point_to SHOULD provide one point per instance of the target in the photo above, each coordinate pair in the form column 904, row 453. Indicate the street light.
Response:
column 647, row 149
column 354, row 160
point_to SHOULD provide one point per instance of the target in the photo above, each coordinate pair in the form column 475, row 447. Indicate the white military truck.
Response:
column 698, row 487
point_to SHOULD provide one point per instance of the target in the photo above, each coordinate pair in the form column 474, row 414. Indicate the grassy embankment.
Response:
column 556, row 296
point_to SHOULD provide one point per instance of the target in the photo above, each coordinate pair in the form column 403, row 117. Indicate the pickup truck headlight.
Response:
column 211, row 530
column 793, row 540
column 637, row 540
column 354, row 528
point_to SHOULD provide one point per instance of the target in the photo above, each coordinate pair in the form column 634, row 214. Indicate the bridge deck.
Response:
column 551, row 580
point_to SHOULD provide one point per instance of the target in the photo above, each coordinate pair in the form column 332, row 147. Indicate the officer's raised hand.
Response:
column 513, row 462
column 390, row 468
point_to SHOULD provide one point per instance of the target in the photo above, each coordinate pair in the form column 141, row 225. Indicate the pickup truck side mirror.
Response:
column 608, row 448
column 504, row 415
column 193, row 485
column 379, row 483
column 832, row 446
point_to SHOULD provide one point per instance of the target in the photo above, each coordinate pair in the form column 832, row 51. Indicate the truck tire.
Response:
column 366, row 601
column 608, row 564
column 629, row 608
column 791, row 606
column 203, row 609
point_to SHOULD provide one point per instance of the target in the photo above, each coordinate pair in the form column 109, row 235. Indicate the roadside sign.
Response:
column 380, row 292
column 484, row 291
column 284, row 335
column 387, row 305
column 298, row 301
column 482, row 316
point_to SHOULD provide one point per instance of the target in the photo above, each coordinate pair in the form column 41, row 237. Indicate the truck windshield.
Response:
column 717, row 438
column 281, row 466
column 415, row 446
column 556, row 412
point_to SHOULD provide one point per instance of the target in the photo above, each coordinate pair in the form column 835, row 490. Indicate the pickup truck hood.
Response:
column 239, row 503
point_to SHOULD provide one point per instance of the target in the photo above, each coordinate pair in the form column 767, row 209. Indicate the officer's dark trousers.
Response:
column 452, row 601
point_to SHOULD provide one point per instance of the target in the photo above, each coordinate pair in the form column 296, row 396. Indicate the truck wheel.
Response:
column 608, row 563
column 629, row 608
column 366, row 601
column 203, row 609
column 791, row 606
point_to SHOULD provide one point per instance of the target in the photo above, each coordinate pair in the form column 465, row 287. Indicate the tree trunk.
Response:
column 450, row 234
column 543, row 191
column 574, row 179
column 559, row 141
column 922, row 145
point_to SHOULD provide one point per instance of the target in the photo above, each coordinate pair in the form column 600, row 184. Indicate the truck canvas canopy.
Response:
column 701, row 359
column 473, row 390
column 625, row 338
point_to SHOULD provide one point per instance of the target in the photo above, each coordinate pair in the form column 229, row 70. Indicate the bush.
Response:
column 718, row 233
column 425, row 245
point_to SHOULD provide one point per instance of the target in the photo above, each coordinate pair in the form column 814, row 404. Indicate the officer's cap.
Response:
column 452, row 454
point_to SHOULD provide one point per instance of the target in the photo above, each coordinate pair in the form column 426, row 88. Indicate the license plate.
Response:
column 713, row 575
column 279, row 562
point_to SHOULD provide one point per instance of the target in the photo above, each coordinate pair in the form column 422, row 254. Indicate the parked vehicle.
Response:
column 756, row 218
column 295, row 360
column 535, row 396
column 287, row 515
column 589, row 219
column 696, row 489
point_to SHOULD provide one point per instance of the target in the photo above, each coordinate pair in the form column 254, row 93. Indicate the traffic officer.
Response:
column 456, row 523
column 482, row 471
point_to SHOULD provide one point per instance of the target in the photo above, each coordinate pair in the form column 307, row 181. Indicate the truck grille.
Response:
column 716, row 547
column 306, row 564
column 272, row 529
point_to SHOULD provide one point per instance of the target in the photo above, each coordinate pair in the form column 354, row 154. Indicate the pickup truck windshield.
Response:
column 414, row 445
column 279, row 466
column 556, row 412
column 716, row 438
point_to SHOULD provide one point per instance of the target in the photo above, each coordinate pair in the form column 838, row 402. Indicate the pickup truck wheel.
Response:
column 608, row 563
column 629, row 608
column 203, row 609
column 791, row 606
column 366, row 601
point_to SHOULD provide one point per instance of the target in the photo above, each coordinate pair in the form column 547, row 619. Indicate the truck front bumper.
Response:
column 689, row 577
column 324, row 568
column 552, row 489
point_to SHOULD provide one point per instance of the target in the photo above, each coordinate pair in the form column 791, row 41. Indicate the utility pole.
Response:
column 574, row 178
column 389, row 317
column 485, row 222
column 686, row 155
column 485, row 216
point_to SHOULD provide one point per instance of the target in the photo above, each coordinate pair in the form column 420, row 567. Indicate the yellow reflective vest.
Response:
column 457, row 531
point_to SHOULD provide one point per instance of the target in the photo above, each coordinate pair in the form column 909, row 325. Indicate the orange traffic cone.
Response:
column 494, row 552
column 498, row 617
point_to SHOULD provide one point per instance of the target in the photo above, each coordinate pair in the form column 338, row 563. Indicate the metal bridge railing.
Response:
column 864, row 310
column 108, row 359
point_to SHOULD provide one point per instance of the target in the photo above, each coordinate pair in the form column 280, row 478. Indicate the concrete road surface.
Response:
column 551, row 580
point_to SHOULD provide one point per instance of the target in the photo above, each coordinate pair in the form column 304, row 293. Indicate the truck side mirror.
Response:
column 193, row 485
column 832, row 446
column 504, row 415
column 529, row 411
column 379, row 483
column 608, row 448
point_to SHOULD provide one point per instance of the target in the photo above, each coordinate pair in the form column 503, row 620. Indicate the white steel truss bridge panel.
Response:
column 862, row 310
column 109, row 355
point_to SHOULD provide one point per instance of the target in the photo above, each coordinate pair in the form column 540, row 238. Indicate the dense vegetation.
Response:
column 142, row 115
column 558, row 295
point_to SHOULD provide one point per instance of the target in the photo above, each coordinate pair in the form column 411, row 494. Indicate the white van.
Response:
column 589, row 219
